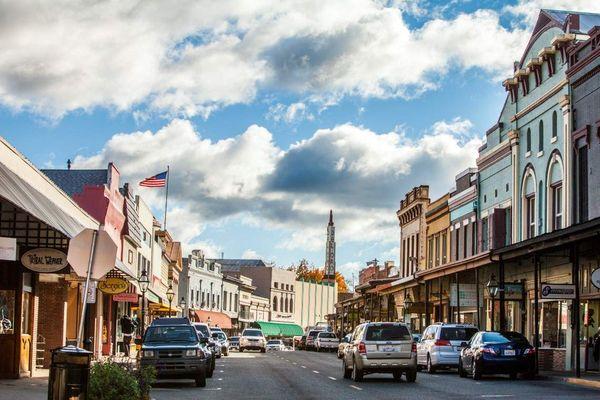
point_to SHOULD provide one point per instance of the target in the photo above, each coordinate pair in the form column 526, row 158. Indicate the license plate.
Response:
column 389, row 349
column 509, row 352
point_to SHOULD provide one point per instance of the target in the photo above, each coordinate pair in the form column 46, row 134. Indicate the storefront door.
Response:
column 10, row 325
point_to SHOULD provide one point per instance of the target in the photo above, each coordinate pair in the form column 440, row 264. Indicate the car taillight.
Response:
column 442, row 342
column 489, row 350
column 414, row 347
column 362, row 348
column 529, row 351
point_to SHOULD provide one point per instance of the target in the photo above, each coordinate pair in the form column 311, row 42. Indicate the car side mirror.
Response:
column 138, row 341
column 203, row 340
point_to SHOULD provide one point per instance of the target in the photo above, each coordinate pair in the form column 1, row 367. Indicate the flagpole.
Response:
column 166, row 199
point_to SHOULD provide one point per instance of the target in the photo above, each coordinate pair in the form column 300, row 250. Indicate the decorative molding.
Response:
column 581, row 133
column 500, row 151
column 541, row 100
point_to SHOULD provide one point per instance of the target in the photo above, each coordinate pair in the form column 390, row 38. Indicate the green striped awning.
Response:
column 278, row 329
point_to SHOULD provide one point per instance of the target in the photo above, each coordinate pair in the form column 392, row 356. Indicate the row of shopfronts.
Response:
column 514, row 244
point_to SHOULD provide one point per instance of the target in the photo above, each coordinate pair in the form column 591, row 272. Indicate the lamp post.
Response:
column 407, row 304
column 182, row 304
column 492, row 288
column 170, row 295
column 143, row 281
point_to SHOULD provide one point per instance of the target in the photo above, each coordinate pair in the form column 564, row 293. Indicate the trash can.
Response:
column 69, row 373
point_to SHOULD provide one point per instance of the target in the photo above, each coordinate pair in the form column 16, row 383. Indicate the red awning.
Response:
column 214, row 318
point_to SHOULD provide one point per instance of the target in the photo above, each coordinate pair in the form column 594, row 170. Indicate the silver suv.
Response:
column 441, row 344
column 377, row 347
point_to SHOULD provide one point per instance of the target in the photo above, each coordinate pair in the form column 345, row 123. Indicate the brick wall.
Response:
column 51, row 315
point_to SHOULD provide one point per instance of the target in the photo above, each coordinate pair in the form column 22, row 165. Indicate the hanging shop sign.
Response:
column 44, row 260
column 513, row 291
column 8, row 248
column 113, row 285
column 596, row 278
column 468, row 295
column 126, row 297
column 557, row 291
column 91, row 293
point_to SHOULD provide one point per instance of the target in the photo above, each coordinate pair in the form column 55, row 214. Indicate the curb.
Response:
column 592, row 384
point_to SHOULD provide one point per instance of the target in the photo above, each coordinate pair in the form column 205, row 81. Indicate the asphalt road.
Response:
column 310, row 375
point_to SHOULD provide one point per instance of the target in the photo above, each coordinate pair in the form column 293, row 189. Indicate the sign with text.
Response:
column 126, row 297
column 468, row 295
column 113, row 285
column 557, row 291
column 8, row 248
column 44, row 260
column 91, row 297
column 596, row 278
column 513, row 291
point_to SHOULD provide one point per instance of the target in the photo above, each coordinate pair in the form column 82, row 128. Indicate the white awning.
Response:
column 25, row 186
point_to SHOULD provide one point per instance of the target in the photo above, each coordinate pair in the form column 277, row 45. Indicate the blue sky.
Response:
column 268, row 113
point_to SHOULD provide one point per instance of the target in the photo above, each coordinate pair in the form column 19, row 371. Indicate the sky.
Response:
column 269, row 113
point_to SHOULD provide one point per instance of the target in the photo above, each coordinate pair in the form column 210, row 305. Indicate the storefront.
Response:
column 37, row 221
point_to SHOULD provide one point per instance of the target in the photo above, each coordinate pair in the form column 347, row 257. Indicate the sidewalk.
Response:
column 588, row 379
column 24, row 389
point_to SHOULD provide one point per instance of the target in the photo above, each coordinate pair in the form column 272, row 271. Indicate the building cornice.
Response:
column 540, row 101
column 500, row 151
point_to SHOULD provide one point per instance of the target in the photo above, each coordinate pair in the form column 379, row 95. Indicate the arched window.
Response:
column 554, row 124
column 528, row 140
column 529, row 206
column 274, row 303
column 541, row 137
column 291, row 305
column 554, row 197
column 286, row 305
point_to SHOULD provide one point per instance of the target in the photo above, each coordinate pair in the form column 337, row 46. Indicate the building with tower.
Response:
column 330, row 250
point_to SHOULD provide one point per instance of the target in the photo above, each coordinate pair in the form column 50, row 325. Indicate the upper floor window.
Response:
column 444, row 248
column 430, row 255
column 541, row 137
column 530, row 216
column 554, row 124
column 528, row 140
column 274, row 303
column 557, row 207
column 484, row 234
column 276, row 285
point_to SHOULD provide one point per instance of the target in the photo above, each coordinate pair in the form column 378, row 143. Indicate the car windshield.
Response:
column 327, row 335
column 274, row 342
column 313, row 333
column 504, row 337
column 252, row 333
column 182, row 333
column 387, row 332
column 234, row 339
column 219, row 335
column 203, row 329
column 456, row 333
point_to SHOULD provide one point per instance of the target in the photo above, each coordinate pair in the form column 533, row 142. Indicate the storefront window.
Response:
column 7, row 312
column 554, row 324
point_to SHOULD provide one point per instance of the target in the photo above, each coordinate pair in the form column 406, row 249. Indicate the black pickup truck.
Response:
column 173, row 347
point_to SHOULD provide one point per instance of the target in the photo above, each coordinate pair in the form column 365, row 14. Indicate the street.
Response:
column 311, row 375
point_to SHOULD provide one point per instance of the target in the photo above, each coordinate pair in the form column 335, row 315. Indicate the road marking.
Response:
column 295, row 363
column 303, row 366
column 497, row 395
column 221, row 370
column 332, row 378
column 212, row 389
column 220, row 379
column 316, row 372
column 355, row 387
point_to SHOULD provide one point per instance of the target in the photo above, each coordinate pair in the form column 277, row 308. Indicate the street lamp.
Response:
column 143, row 281
column 407, row 304
column 182, row 304
column 492, row 288
column 170, row 295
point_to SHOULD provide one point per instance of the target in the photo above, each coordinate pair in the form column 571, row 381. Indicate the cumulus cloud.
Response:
column 529, row 9
column 295, row 112
column 196, row 56
column 248, row 177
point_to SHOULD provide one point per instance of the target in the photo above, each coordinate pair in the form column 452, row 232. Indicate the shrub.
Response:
column 110, row 381
column 145, row 376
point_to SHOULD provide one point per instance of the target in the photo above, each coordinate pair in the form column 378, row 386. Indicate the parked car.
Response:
column 417, row 337
column 343, row 344
column 253, row 339
column 173, row 347
column 380, row 347
column 310, row 339
column 234, row 343
column 497, row 353
column 301, row 345
column 441, row 344
column 204, row 331
column 275, row 344
column 326, row 341
column 296, row 340
column 221, row 338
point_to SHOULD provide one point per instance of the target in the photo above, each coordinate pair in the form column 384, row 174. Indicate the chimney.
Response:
column 69, row 164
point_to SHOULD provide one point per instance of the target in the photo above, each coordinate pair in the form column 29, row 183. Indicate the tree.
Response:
column 341, row 282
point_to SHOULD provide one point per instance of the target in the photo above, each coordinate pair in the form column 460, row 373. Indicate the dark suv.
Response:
column 173, row 347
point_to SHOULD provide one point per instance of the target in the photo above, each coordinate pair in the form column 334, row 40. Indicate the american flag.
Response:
column 158, row 180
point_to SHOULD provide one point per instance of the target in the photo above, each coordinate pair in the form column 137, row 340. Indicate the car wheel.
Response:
column 357, row 374
column 461, row 371
column 226, row 353
column 411, row 375
column 513, row 376
column 347, row 372
column 262, row 350
column 201, row 380
column 430, row 367
column 397, row 375
column 209, row 372
column 241, row 349
column 476, row 370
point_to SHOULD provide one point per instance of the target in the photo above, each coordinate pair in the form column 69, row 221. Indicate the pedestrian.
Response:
column 596, row 351
column 127, row 328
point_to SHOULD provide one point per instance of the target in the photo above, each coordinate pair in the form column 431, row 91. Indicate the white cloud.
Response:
column 295, row 112
column 248, row 177
column 194, row 57
column 251, row 254
column 529, row 9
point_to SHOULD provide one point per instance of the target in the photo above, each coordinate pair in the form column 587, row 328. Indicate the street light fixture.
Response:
column 170, row 295
column 492, row 288
column 182, row 304
column 144, row 282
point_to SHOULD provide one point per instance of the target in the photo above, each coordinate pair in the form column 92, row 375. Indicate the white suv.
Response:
column 441, row 344
column 253, row 339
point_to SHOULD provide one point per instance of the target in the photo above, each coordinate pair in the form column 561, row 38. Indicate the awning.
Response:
column 214, row 318
column 152, row 297
column 279, row 329
column 25, row 186
column 120, row 265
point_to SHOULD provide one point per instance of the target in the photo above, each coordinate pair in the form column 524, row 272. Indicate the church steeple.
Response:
column 330, row 249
